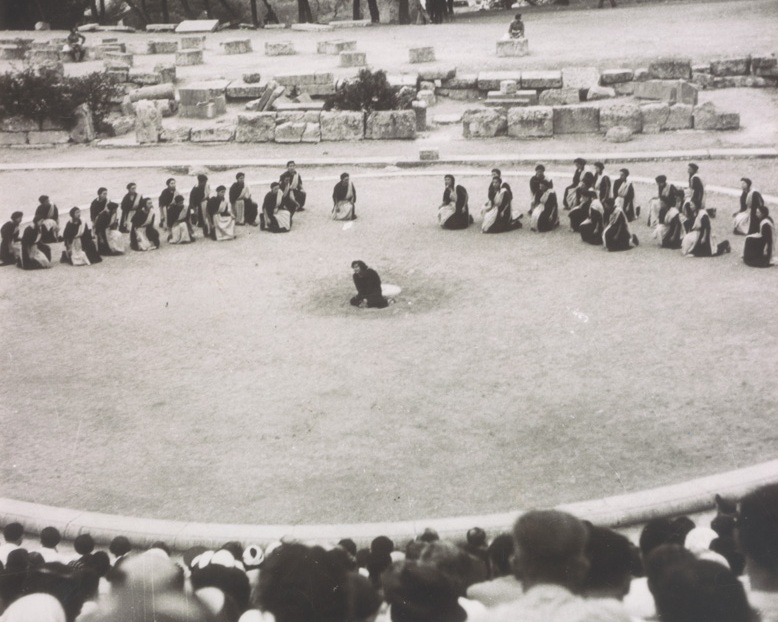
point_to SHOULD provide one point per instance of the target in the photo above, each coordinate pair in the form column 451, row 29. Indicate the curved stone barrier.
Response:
column 619, row 511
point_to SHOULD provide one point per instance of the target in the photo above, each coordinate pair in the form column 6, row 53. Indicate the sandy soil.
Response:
column 233, row 382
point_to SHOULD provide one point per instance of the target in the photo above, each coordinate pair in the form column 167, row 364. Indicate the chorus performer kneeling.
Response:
column 368, row 284
column 454, row 212
column 221, row 216
column 80, row 249
column 344, row 199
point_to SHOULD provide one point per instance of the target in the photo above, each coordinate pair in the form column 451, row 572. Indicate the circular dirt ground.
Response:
column 233, row 382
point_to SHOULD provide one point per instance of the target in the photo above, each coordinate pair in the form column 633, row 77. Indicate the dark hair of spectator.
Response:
column 50, row 537
column 758, row 527
column 13, row 532
column 610, row 560
column 119, row 546
column 84, row 544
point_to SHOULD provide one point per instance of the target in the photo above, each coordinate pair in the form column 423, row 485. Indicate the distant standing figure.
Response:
column 368, row 285
column 758, row 247
column 344, row 198
column 75, row 45
column 454, row 212
column 516, row 29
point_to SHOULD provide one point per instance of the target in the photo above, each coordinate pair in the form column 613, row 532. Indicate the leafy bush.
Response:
column 367, row 92
column 41, row 93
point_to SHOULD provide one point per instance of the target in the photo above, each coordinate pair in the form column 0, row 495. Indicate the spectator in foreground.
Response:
column 50, row 539
column 13, row 534
column 551, row 564
column 757, row 534
column 504, row 587
column 610, row 564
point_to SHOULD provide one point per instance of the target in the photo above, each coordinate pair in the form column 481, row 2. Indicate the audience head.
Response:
column 119, row 546
column 84, row 544
column 413, row 549
column 13, row 532
column 50, row 537
column 681, row 526
column 610, row 564
column 518, row 16
column 112, row 206
column 224, row 571
column 462, row 569
column 656, row 532
column 476, row 537
column 422, row 593
column 501, row 554
column 360, row 267
column 757, row 529
column 348, row 545
column 550, row 549
column 363, row 600
column 428, row 535
column 587, row 179
column 496, row 182
column 762, row 212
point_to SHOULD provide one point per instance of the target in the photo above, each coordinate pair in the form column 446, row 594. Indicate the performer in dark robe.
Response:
column 667, row 196
column 580, row 209
column 593, row 225
column 454, row 212
column 745, row 221
column 80, row 249
column 700, row 241
column 109, row 239
column 545, row 215
column 368, row 285
column 294, row 186
column 47, row 216
column 497, row 212
column 144, row 236
column 534, row 186
column 98, row 205
column 198, row 201
column 9, row 240
column 244, row 208
column 758, row 246
column 602, row 184
column 36, row 254
column 276, row 214
column 696, row 187
column 569, row 195
column 617, row 235
column 130, row 203
column 220, row 214
column 344, row 199
column 179, row 228
column 166, row 198
column 624, row 195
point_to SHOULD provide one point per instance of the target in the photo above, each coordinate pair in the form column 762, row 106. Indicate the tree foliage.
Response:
column 367, row 92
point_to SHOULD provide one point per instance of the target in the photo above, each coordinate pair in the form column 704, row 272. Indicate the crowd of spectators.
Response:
column 551, row 567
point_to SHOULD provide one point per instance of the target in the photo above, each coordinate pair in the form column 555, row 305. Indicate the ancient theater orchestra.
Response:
column 601, row 209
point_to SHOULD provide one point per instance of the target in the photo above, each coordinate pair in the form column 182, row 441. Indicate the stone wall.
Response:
column 18, row 131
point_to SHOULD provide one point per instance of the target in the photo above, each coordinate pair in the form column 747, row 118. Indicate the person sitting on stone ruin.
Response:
column 592, row 226
column 144, row 235
column 129, row 205
column 47, row 216
column 35, row 253
column 617, row 236
column 98, row 204
column 545, row 215
column 179, row 227
column 744, row 220
column 665, row 216
column 344, row 198
column 758, row 247
column 220, row 215
column 9, row 240
column 624, row 195
column 368, row 284
column 80, row 249
column 244, row 208
column 294, row 186
column 700, row 240
column 454, row 212
column 109, row 239
column 75, row 45
column 516, row 28
column 497, row 211
column 569, row 194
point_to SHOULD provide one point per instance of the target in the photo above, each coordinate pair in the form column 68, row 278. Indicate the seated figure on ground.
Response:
column 569, row 194
column 344, row 198
column 166, row 198
column 667, row 196
column 624, row 195
column 178, row 222
column 144, row 236
column 758, row 247
column 497, row 211
column 700, row 241
column 277, row 210
column 454, row 212
column 744, row 220
column 47, row 216
column 368, row 285
column 545, row 215
column 80, row 249
column 220, row 215
column 664, row 215
column 109, row 239
column 9, row 240
column 580, row 207
column 593, row 224
column 244, row 208
column 35, row 254
column 98, row 204
column 294, row 186
column 534, row 186
column 129, row 205
column 617, row 236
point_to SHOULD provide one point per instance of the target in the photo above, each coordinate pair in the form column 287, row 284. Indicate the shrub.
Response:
column 41, row 93
column 367, row 92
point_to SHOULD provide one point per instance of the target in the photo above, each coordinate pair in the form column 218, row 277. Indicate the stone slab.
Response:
column 192, row 43
column 187, row 58
column 461, row 81
column 162, row 47
column 428, row 155
column 459, row 94
column 143, row 78
column 621, row 115
column 161, row 27
column 241, row 90
column 213, row 134
column 424, row 54
column 730, row 66
column 299, row 107
column 680, row 117
column 403, row 79
column 509, row 48
column 391, row 125
column 13, row 138
column 197, row 25
column 352, row 59
column 175, row 134
column 351, row 23
column 655, row 116
column 312, row 133
column 615, row 76
column 484, row 123
column 670, row 68
column 560, row 97
column 279, row 48
column 335, row 47
column 490, row 80
column 530, row 95
column 511, row 102
column 289, row 132
column 583, row 119
column 51, row 137
column 541, row 79
column 160, row 91
column 580, row 77
column 237, row 46
column 437, row 72
column 531, row 122
column 259, row 127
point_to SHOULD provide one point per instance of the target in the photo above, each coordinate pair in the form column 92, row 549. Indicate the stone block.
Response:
column 621, row 115
column 323, row 78
column 290, row 132
column 351, row 23
column 12, row 52
column 188, row 58
column 119, row 57
column 168, row 107
column 270, row 96
column 541, row 79
column 160, row 27
column 342, row 125
column 508, row 102
column 584, row 119
column 258, row 127
column 580, row 77
column 13, row 138
column 426, row 85
column 421, row 55
column 115, row 65
column 118, row 126
column 420, row 109
column 252, row 78
column 508, row 87
column 212, row 134
column 241, row 90
column 148, row 122
column 192, row 43
column 83, row 130
column 391, row 125
column 237, row 46
column 160, row 91
column 203, row 110
column 193, row 95
column 399, row 80
column 352, row 59
column 438, row 72
column 175, row 135
column 428, row 97
column 688, row 93
column 530, row 122
column 490, row 80
column 18, row 124
column 764, row 65
column 615, row 76
column 657, row 90
column 705, row 116
column 162, row 47
column 642, row 74
column 655, row 117
column 52, row 137
column 670, row 68
column 312, row 133
column 507, row 48
column 619, row 134
column 484, row 123
column 290, row 116
column 279, row 48
column 312, row 116
column 459, row 94
column 166, row 72
column 429, row 155
column 529, row 96
column 600, row 92
column 335, row 46
column 559, row 97
column 702, row 80
column 730, row 66
column 728, row 121
column 463, row 81
column 680, row 117
column 197, row 25
column 296, row 79
column 144, row 78
column 43, row 56
column 282, row 104
column 624, row 89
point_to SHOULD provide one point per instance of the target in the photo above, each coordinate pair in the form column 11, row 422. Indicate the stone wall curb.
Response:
column 618, row 511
